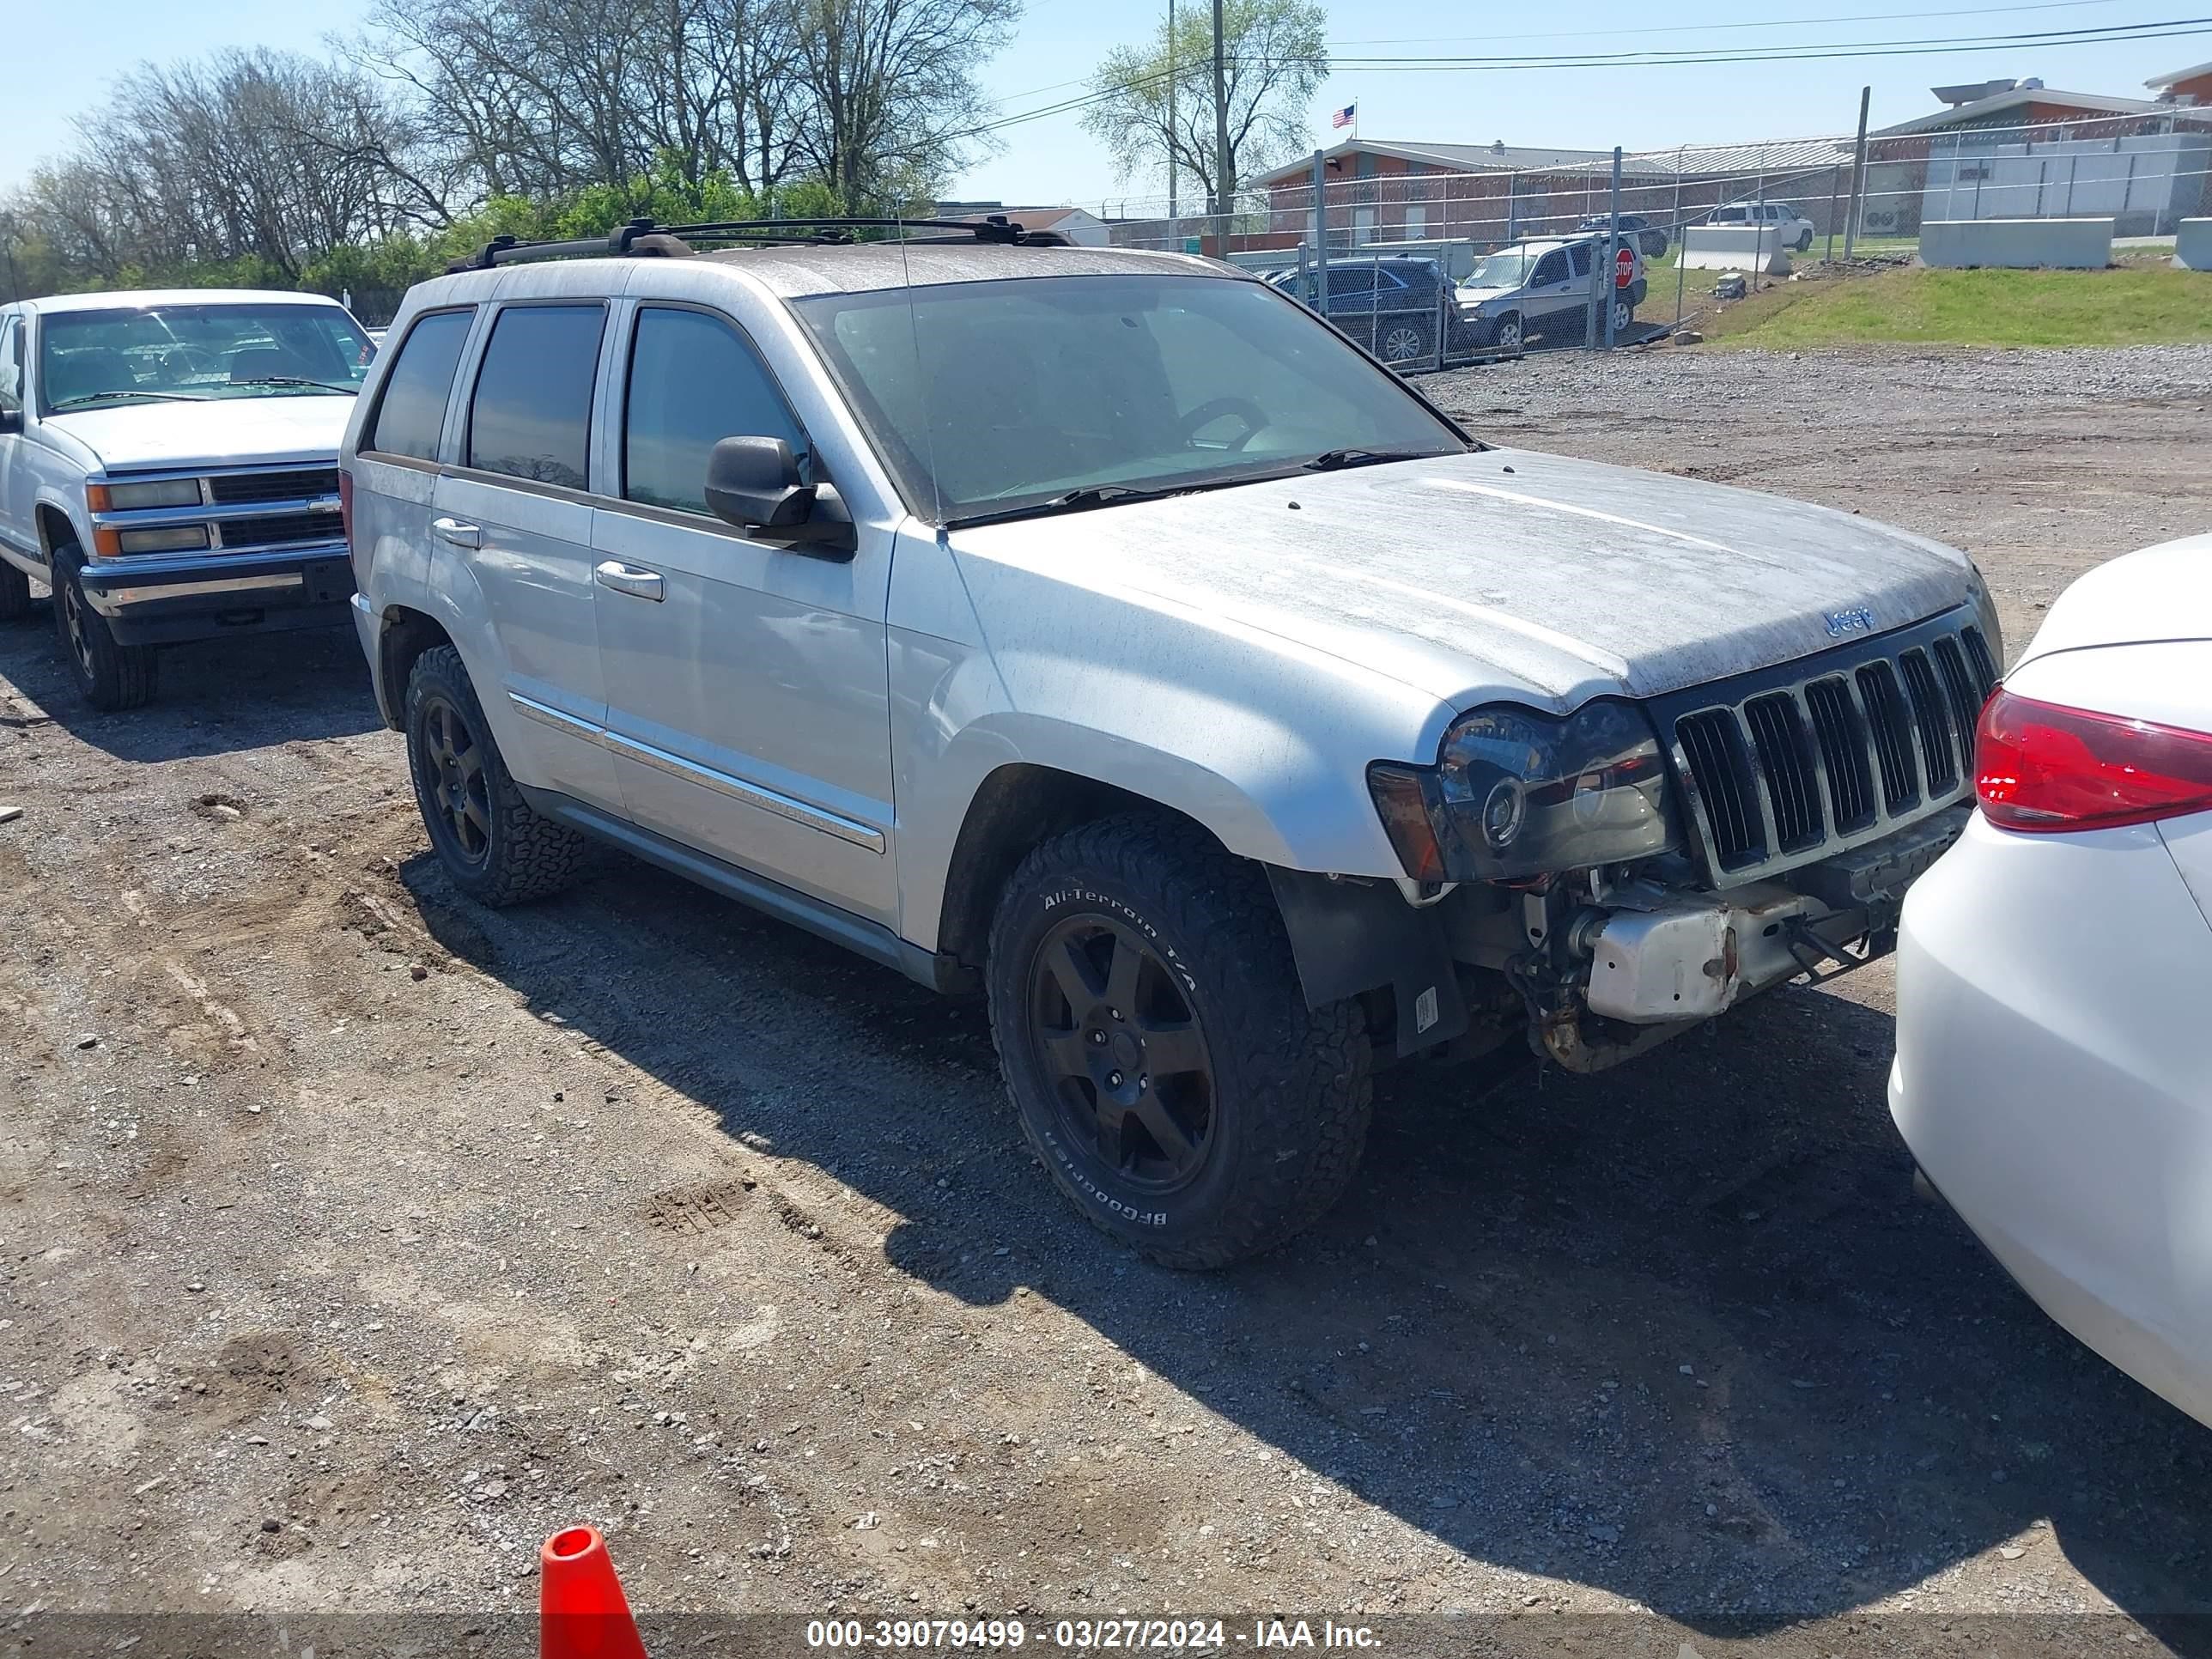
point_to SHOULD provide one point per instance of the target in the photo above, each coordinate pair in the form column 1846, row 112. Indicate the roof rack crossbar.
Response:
column 644, row 237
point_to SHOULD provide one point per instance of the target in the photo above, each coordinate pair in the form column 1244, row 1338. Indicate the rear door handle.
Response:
column 629, row 579
column 460, row 534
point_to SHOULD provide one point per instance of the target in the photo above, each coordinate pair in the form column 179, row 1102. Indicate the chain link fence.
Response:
column 1435, row 255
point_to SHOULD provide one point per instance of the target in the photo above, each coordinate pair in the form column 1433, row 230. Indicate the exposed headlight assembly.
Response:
column 1515, row 793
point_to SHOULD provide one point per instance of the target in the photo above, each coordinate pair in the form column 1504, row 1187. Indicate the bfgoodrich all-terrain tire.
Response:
column 111, row 675
column 1165, row 1066
column 496, row 848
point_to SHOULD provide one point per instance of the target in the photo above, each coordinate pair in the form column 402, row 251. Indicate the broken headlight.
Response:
column 1515, row 792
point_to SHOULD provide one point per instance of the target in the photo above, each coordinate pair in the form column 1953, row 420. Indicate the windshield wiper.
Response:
column 1330, row 460
column 1075, row 501
column 85, row 397
column 292, row 379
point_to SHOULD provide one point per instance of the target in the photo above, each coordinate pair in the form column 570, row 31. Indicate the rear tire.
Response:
column 15, row 593
column 1403, row 343
column 1159, row 1051
column 496, row 848
column 111, row 676
column 1624, row 313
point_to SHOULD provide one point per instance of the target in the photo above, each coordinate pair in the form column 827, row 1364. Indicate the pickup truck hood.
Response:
column 221, row 432
column 1509, row 573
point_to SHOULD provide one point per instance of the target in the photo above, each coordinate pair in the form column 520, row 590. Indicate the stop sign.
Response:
column 1624, row 266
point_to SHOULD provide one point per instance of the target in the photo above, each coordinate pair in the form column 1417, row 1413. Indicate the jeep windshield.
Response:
column 992, row 399
column 109, row 359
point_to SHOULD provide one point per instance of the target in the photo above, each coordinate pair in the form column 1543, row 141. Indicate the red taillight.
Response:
column 345, row 505
column 2039, row 767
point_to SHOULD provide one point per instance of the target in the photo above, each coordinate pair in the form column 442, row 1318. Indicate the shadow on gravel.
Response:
column 214, row 696
column 1679, row 1332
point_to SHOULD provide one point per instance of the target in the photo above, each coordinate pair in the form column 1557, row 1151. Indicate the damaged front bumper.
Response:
column 1602, row 970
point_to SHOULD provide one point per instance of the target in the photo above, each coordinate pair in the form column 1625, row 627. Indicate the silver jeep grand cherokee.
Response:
column 1102, row 631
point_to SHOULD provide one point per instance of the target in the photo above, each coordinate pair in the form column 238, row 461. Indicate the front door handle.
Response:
column 460, row 534
column 629, row 579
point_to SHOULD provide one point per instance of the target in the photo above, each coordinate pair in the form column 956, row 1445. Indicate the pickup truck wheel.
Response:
column 1159, row 1051
column 15, row 593
column 111, row 676
column 497, row 849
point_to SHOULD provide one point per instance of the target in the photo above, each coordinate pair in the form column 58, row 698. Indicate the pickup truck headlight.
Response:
column 1515, row 792
column 128, row 497
column 167, row 538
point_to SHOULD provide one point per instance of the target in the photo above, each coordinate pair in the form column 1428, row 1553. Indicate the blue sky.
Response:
column 66, row 55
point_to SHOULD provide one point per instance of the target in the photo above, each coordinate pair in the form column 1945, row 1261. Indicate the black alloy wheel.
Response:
column 1113, row 1033
column 450, row 761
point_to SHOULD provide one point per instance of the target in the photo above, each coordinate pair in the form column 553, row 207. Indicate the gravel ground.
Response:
column 353, row 1239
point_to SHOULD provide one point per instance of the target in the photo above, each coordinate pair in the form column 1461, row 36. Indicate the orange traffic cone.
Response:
column 582, row 1611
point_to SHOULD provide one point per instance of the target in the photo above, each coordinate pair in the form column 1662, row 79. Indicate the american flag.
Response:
column 1345, row 117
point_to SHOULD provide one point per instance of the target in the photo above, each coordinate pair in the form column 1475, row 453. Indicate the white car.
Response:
column 2054, row 975
column 1791, row 228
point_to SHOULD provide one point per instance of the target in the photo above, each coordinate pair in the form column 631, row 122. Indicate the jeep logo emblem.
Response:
column 1840, row 622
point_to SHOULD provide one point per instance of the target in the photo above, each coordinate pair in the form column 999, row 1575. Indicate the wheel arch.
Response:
column 403, row 634
column 1018, row 807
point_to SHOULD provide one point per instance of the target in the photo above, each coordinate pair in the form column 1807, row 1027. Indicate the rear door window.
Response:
column 411, row 408
column 530, row 416
column 693, row 382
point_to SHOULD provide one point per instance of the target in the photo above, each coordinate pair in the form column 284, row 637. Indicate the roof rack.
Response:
column 643, row 238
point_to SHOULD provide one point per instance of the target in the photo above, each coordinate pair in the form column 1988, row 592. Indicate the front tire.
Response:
column 1159, row 1051
column 1506, row 334
column 497, row 848
column 111, row 676
column 1805, row 242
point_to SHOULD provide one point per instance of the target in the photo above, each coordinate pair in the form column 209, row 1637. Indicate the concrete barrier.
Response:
column 2192, row 244
column 1748, row 248
column 2017, row 244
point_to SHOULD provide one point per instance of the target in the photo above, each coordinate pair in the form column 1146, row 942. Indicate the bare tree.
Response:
column 1275, row 56
column 892, row 101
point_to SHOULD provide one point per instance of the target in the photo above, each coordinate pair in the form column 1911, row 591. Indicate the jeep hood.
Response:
column 1507, row 573
column 221, row 432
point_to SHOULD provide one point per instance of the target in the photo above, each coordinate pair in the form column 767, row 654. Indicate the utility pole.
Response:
column 1174, row 233
column 1221, row 141
column 1858, row 179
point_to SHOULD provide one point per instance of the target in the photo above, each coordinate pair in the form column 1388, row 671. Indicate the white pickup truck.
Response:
column 168, row 467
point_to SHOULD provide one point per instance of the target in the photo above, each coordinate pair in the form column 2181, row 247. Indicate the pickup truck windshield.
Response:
column 993, row 397
column 163, row 354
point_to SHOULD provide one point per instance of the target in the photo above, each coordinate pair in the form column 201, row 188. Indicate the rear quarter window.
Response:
column 411, row 408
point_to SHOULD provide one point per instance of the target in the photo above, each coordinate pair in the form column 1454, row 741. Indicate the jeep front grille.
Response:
column 1782, row 767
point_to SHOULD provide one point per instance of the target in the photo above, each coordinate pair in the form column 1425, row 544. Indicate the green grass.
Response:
column 2143, row 305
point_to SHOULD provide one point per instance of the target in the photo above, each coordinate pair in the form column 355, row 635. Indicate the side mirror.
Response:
column 753, row 483
column 11, row 421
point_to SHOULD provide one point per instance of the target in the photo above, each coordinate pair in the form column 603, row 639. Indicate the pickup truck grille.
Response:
column 243, row 489
column 1791, row 764
column 281, row 529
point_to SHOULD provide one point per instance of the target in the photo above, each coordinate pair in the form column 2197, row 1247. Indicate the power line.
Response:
column 1661, row 58
column 1708, row 28
column 2172, row 28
